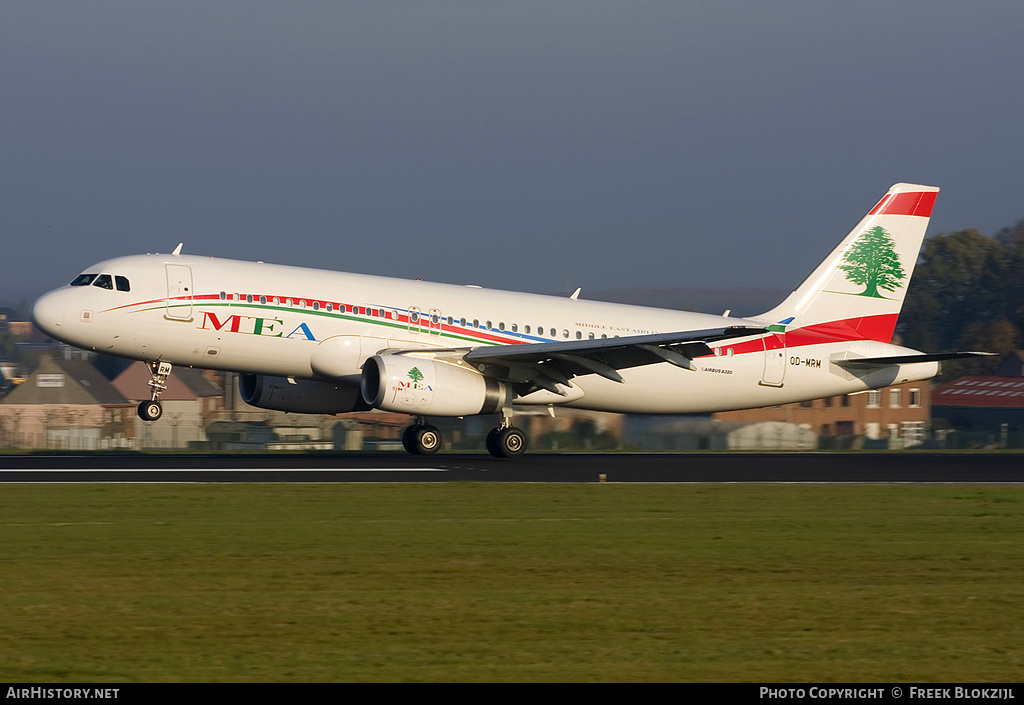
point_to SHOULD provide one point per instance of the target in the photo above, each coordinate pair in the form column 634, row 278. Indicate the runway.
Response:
column 806, row 467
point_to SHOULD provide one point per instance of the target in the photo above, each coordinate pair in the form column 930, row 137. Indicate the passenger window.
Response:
column 104, row 281
column 83, row 280
column 122, row 283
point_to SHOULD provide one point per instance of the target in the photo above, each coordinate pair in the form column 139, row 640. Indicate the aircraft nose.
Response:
column 48, row 313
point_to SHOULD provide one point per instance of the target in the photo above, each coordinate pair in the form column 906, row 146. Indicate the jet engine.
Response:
column 409, row 384
column 303, row 396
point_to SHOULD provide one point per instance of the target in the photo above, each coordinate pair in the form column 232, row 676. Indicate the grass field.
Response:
column 510, row 582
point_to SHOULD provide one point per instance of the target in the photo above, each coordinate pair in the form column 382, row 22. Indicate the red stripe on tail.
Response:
column 920, row 203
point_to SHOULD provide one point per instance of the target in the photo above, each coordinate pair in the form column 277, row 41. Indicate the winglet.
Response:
column 576, row 294
column 177, row 250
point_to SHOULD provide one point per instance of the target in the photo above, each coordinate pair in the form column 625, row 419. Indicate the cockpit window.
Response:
column 122, row 283
column 83, row 280
column 104, row 281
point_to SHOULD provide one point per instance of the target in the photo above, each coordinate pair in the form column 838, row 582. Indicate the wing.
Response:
column 546, row 365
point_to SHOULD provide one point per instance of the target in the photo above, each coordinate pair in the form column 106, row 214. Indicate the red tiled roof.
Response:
column 978, row 390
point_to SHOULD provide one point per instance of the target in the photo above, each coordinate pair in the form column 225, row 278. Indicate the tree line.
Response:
column 967, row 293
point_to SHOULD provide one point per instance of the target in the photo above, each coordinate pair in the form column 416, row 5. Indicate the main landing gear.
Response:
column 505, row 441
column 421, row 438
column 152, row 410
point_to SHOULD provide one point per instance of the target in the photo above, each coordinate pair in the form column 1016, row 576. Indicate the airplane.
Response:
column 324, row 342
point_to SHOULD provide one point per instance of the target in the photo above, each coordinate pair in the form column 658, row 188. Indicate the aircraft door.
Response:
column 434, row 321
column 179, row 292
column 774, row 360
column 414, row 319
column 420, row 322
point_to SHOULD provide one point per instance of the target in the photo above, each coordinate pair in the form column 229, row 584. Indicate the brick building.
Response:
column 899, row 412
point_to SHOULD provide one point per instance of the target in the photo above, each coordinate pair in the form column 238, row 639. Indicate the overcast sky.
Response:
column 520, row 145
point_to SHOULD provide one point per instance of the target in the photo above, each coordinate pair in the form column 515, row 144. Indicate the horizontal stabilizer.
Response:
column 904, row 359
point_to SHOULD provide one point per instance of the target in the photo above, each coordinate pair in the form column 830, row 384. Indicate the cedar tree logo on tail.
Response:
column 873, row 262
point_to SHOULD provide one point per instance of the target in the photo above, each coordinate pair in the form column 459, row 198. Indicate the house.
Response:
column 983, row 410
column 981, row 403
column 66, row 404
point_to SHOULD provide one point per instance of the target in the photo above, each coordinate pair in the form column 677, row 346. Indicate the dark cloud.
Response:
column 538, row 145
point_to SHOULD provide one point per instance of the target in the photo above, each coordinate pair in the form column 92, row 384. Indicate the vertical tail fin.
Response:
column 858, row 290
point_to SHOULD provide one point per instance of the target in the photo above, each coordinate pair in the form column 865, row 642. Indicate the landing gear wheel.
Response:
column 421, row 439
column 407, row 439
column 506, row 442
column 492, row 443
column 150, row 410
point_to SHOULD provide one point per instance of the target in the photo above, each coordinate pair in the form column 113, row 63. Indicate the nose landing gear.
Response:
column 152, row 410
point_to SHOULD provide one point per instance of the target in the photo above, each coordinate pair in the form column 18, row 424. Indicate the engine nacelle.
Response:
column 420, row 385
column 303, row 396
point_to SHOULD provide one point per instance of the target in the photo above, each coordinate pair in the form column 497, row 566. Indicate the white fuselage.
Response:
column 315, row 324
